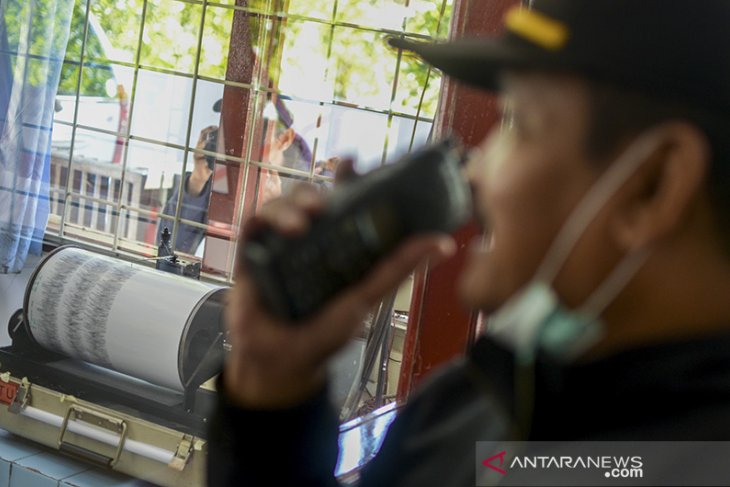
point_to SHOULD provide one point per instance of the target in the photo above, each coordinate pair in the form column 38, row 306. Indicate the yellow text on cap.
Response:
column 536, row 27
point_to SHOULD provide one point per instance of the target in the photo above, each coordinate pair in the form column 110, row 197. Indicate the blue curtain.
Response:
column 33, row 38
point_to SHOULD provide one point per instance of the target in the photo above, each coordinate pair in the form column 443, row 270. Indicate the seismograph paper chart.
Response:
column 115, row 314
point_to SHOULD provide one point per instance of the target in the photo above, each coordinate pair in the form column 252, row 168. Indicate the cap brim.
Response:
column 479, row 62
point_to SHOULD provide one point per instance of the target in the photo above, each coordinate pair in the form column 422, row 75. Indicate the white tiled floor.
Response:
column 12, row 290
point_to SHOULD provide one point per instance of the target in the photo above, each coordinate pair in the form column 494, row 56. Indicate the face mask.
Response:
column 534, row 318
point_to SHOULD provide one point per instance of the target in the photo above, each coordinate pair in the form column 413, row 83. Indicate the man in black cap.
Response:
column 604, row 268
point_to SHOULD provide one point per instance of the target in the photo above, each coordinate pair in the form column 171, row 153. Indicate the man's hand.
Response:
column 274, row 364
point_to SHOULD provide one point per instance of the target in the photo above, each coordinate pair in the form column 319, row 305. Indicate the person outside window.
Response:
column 282, row 147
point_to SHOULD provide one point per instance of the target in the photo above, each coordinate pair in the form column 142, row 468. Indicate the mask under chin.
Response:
column 535, row 319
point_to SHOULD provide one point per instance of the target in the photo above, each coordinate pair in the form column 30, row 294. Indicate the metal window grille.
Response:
column 108, row 186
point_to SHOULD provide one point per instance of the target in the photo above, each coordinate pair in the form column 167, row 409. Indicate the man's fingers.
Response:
column 344, row 171
column 284, row 217
column 308, row 198
column 208, row 130
column 203, row 136
column 290, row 215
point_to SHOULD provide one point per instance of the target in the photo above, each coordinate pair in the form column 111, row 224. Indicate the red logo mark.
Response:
column 488, row 462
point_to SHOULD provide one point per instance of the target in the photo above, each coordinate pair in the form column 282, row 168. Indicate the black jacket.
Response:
column 676, row 391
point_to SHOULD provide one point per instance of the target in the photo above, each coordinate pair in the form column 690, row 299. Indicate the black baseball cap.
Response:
column 676, row 49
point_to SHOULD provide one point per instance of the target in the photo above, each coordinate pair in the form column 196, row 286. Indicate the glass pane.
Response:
column 213, row 101
column 162, row 107
column 381, row 14
column 207, row 110
column 254, row 37
column 271, row 184
column 102, row 105
column 401, row 133
column 286, row 130
column 412, row 90
column 170, row 37
column 191, row 233
column 429, row 17
column 305, row 61
column 114, row 30
column 267, row 42
column 103, row 96
column 364, row 67
column 96, row 188
column 306, row 122
column 152, row 182
column 218, row 249
column 216, row 40
column 76, row 32
column 338, row 98
column 89, row 220
column 57, row 207
column 277, row 137
column 89, row 145
column 358, row 134
column 153, row 170
column 138, row 232
column 318, row 9
column 112, row 34
column 68, row 82
column 58, row 178
column 59, row 166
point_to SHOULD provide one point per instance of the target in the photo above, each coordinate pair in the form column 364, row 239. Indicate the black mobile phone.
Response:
column 363, row 220
column 211, row 144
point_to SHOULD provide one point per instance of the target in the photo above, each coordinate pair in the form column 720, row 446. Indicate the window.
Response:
column 300, row 83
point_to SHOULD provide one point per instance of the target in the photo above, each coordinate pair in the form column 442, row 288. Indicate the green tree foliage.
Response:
column 37, row 31
column 359, row 64
column 97, row 73
column 362, row 68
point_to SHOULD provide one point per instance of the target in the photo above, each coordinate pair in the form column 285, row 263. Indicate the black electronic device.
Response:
column 364, row 220
column 168, row 261
column 211, row 144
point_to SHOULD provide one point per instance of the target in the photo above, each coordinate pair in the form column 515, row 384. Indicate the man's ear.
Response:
column 285, row 139
column 657, row 200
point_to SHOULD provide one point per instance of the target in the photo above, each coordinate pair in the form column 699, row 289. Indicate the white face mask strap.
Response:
column 596, row 198
column 614, row 283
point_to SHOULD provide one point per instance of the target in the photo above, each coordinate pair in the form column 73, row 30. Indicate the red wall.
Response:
column 439, row 327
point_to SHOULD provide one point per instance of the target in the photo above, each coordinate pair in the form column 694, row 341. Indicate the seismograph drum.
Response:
column 136, row 320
